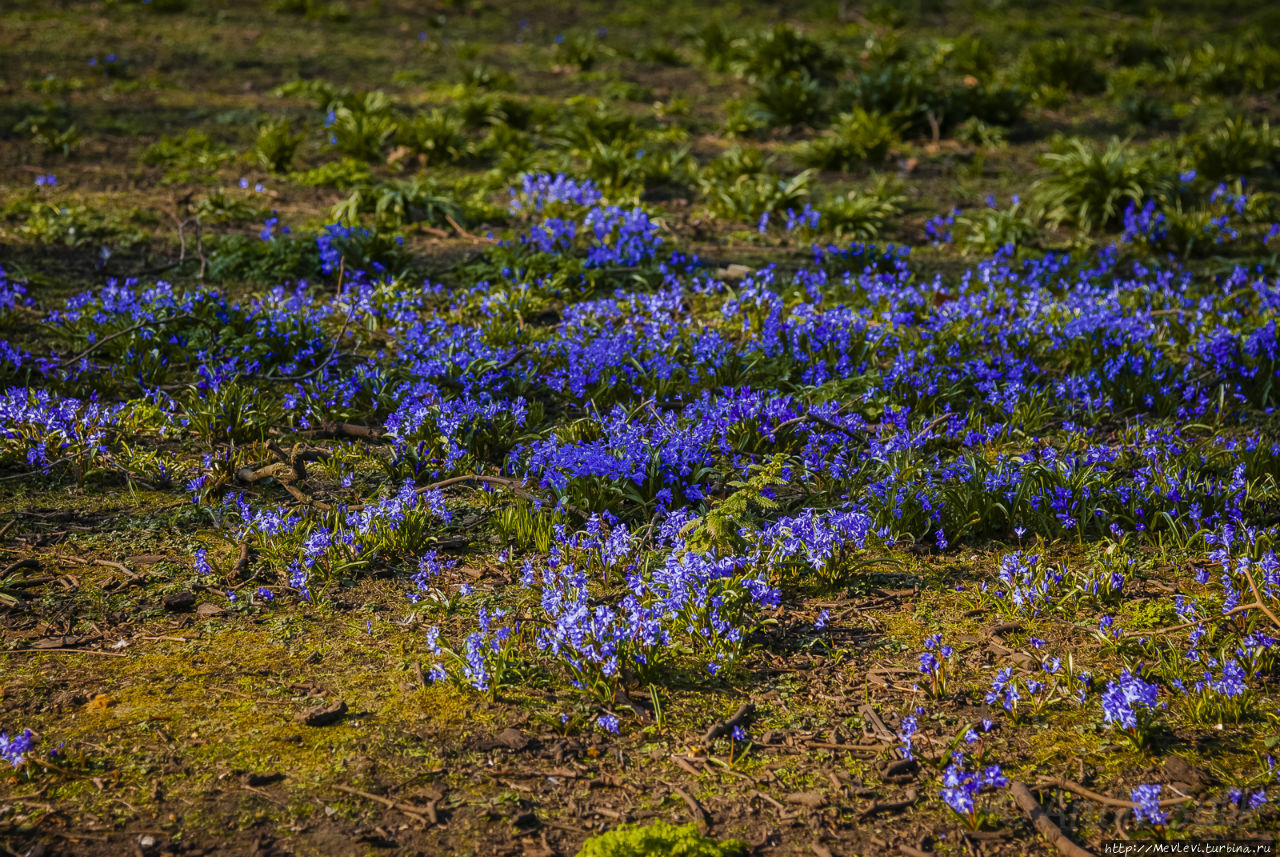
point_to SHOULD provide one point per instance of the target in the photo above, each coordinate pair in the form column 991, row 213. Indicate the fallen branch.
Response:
column 240, row 571
column 1242, row 608
column 465, row 234
column 1075, row 788
column 18, row 564
column 472, row 477
column 812, row 417
column 1050, row 831
column 1257, row 597
column 305, row 498
column 119, row 566
column 516, row 485
column 104, row 340
column 320, row 367
column 423, row 814
column 893, row 808
column 522, row 351
column 27, row 582
column 334, row 428
column 928, row 427
column 62, row 649
column 700, row 815
column 684, row 765
column 764, row 797
column 46, row 470
column 726, row 727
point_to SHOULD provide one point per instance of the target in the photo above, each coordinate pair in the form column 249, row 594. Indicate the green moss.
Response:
column 659, row 839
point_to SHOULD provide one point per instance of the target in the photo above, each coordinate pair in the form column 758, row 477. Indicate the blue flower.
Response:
column 960, row 787
column 14, row 750
column 1147, row 805
column 1124, row 699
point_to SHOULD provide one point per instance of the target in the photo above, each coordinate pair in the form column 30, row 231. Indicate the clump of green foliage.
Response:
column 787, row 101
column 434, row 136
column 396, row 204
column 1063, row 64
column 857, row 137
column 925, row 100
column 276, row 145
column 1232, row 68
column 579, row 50
column 863, row 215
column 1089, row 186
column 363, row 128
column 721, row 527
column 752, row 194
column 989, row 229
column 659, row 839
column 193, row 156
column 50, row 127
column 1233, row 147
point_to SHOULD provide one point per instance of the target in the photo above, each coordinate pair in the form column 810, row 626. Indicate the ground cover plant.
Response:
column 825, row 429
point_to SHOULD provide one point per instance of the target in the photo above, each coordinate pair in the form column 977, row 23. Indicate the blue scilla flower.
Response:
column 1124, row 699
column 1147, row 805
column 14, row 750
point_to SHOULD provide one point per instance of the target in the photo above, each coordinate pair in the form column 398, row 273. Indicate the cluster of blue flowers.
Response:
column 961, row 788
column 1020, row 398
column 1222, row 224
column 1128, row 701
column 1146, row 808
column 606, row 235
column 14, row 750
column 539, row 190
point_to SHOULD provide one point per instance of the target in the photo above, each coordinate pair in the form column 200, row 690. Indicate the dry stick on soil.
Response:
column 700, row 815
column 727, row 726
column 465, row 234
column 16, row 565
column 1257, row 597
column 28, row 582
column 929, row 427
column 424, row 814
column 811, row 417
column 472, row 477
column 878, row 726
column 60, row 650
column 764, row 797
column 48, row 467
column 515, row 485
column 333, row 352
column 1075, row 788
column 305, row 498
column 1243, row 608
column 117, row 565
column 889, row 808
column 1050, row 831
column 240, row 571
column 506, row 364
column 334, row 428
column 104, row 340
column 683, row 764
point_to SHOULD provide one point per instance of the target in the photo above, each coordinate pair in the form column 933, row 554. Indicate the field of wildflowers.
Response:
column 480, row 433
